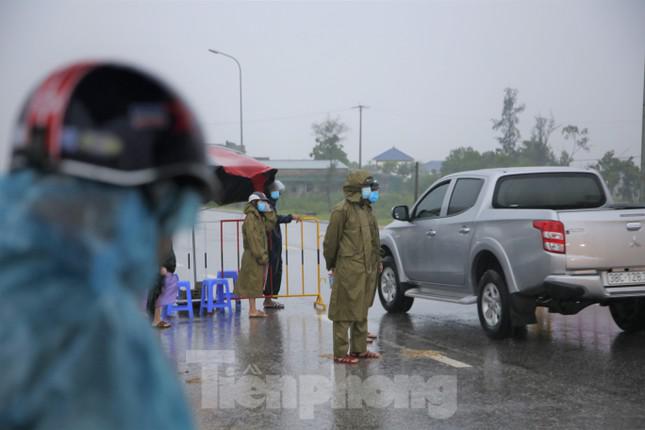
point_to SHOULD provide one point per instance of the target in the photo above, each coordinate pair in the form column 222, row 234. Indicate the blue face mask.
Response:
column 275, row 195
column 365, row 192
column 262, row 206
column 373, row 198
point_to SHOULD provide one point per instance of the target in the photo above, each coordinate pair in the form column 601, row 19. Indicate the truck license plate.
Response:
column 625, row 278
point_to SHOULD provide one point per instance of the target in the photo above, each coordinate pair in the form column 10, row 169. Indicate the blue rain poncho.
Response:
column 76, row 352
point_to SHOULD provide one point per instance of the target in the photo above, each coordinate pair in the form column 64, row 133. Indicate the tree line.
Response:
column 622, row 175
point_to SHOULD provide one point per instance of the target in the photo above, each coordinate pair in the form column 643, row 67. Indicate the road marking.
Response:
column 427, row 353
column 433, row 355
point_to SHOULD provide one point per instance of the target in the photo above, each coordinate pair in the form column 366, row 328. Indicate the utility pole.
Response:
column 642, row 196
column 416, row 180
column 360, row 133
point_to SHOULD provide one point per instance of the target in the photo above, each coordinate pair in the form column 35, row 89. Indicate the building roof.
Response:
column 393, row 154
column 303, row 164
column 431, row 166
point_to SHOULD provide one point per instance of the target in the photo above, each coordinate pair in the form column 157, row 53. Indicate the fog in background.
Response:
column 432, row 72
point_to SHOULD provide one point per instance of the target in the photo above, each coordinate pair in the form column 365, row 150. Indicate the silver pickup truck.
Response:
column 513, row 239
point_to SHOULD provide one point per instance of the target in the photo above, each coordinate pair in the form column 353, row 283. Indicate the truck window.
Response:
column 430, row 206
column 549, row 191
column 464, row 195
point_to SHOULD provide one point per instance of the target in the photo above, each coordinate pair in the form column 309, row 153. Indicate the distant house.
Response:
column 393, row 154
column 432, row 166
column 308, row 176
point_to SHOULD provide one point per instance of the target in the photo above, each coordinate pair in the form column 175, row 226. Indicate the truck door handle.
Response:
column 431, row 233
column 464, row 230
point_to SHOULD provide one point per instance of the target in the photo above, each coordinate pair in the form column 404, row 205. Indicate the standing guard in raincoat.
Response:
column 259, row 221
column 108, row 164
column 352, row 253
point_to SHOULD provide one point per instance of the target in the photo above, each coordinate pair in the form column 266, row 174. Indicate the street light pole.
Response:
column 642, row 193
column 239, row 67
column 360, row 133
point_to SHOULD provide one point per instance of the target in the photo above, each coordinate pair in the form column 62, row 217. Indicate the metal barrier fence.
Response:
column 319, row 303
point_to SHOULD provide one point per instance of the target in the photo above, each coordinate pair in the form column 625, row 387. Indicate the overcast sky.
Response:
column 432, row 72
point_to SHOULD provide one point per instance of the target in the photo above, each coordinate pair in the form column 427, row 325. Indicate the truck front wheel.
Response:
column 390, row 291
column 494, row 306
column 628, row 314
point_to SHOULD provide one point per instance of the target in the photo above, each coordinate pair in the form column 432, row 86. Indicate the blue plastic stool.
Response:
column 222, row 295
column 229, row 274
column 232, row 274
column 170, row 309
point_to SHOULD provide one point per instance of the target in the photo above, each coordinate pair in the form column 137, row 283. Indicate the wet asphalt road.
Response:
column 566, row 372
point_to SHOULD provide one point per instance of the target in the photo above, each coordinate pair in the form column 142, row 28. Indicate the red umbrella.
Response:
column 239, row 175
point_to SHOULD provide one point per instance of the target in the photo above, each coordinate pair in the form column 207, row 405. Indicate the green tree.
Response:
column 405, row 169
column 536, row 151
column 461, row 159
column 507, row 124
column 579, row 141
column 328, row 134
column 389, row 167
column 622, row 176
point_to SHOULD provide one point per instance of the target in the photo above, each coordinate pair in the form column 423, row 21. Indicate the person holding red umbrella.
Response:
column 274, row 274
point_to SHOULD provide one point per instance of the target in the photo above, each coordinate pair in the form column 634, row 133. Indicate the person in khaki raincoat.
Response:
column 352, row 252
column 255, row 259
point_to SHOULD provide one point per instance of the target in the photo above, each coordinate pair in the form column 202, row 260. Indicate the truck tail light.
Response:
column 552, row 235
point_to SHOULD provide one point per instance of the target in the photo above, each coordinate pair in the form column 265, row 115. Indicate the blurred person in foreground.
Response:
column 274, row 274
column 259, row 221
column 352, row 252
column 107, row 165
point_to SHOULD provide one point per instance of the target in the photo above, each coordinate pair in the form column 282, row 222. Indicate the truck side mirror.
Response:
column 401, row 213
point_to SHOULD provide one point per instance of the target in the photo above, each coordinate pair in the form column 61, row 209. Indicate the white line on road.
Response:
column 434, row 355
column 428, row 353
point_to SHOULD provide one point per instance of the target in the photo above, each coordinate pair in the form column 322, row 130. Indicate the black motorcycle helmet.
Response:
column 114, row 124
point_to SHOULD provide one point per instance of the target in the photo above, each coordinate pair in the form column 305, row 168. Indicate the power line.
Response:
column 401, row 113
column 278, row 118
column 635, row 157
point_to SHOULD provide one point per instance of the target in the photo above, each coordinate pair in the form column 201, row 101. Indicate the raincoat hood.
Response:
column 251, row 209
column 353, row 184
column 103, row 234
column 76, row 258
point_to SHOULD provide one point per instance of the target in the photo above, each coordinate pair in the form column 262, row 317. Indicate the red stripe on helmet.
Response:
column 49, row 103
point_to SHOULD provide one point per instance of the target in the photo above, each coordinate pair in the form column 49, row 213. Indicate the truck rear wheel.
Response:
column 628, row 314
column 390, row 291
column 494, row 306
